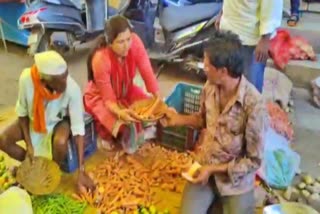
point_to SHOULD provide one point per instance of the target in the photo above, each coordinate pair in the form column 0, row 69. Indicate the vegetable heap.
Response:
column 150, row 210
column 305, row 192
column 56, row 204
column 149, row 109
column 125, row 182
column 6, row 178
column 280, row 121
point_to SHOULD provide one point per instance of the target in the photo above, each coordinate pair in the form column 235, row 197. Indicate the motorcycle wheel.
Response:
column 44, row 44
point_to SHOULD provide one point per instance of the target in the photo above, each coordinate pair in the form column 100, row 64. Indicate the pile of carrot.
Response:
column 280, row 121
column 124, row 182
column 149, row 108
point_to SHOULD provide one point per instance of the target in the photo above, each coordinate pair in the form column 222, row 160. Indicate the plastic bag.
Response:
column 284, row 48
column 279, row 49
column 280, row 162
column 15, row 201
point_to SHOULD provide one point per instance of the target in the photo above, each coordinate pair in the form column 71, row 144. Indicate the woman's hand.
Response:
column 128, row 116
column 157, row 94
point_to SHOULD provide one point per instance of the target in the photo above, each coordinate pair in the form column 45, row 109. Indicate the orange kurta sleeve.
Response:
column 144, row 65
column 101, row 66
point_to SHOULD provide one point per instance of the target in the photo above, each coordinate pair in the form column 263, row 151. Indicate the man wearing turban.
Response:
column 49, row 108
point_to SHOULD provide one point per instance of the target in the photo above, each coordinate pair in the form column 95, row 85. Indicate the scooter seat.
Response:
column 68, row 3
column 174, row 18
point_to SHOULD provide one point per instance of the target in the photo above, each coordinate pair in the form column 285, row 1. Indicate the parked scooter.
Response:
column 79, row 22
column 177, row 34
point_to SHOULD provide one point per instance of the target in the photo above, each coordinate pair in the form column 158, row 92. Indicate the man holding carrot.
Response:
column 234, row 116
column 49, row 109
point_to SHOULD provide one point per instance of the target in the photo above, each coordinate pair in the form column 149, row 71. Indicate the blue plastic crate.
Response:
column 90, row 146
column 185, row 98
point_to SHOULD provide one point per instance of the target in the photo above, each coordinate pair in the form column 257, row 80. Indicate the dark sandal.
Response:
column 293, row 20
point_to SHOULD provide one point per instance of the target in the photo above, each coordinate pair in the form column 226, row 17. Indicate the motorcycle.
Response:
column 174, row 34
column 78, row 23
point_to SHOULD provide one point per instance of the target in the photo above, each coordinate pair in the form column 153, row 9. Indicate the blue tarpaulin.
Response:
column 9, row 14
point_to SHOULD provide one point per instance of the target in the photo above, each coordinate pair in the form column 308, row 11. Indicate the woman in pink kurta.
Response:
column 110, row 90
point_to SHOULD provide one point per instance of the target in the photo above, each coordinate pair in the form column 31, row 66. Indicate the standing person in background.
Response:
column 294, row 16
column 255, row 22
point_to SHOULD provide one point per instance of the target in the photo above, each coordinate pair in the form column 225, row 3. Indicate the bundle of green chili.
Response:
column 57, row 204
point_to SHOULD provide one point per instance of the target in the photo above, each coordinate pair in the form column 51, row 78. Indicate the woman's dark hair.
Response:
column 225, row 50
column 112, row 28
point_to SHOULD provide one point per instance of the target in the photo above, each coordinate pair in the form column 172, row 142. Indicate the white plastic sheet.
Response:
column 15, row 201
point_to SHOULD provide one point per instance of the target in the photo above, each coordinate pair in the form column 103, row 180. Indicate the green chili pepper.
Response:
column 56, row 204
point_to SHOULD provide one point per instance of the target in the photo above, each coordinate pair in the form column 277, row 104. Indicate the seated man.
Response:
column 234, row 115
column 47, row 95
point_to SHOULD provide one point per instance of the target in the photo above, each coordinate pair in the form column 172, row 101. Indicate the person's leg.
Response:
column 295, row 6
column 257, row 74
column 239, row 204
column 253, row 70
column 8, row 141
column 60, row 138
column 105, row 121
column 294, row 16
column 196, row 199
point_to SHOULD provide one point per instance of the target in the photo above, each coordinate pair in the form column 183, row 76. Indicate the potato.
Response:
column 313, row 189
column 302, row 200
column 295, row 194
column 291, row 194
column 308, row 179
column 302, row 186
column 315, row 196
column 305, row 193
column 287, row 194
column 314, row 202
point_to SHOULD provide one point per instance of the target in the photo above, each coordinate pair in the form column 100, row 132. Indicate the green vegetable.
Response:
column 56, row 204
column 152, row 209
column 166, row 211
